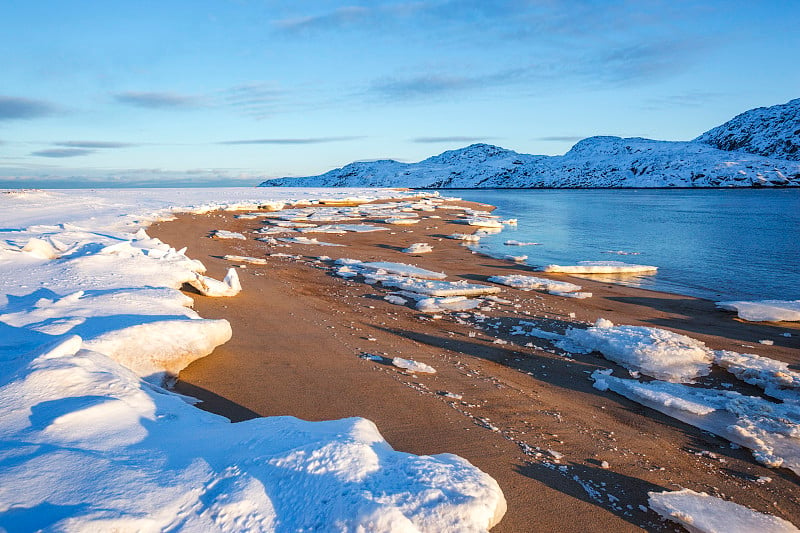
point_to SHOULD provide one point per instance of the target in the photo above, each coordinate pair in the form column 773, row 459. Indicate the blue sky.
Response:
column 229, row 92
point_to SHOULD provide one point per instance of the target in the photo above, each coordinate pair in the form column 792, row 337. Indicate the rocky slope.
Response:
column 770, row 131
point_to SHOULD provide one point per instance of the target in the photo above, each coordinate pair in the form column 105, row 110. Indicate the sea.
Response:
column 717, row 244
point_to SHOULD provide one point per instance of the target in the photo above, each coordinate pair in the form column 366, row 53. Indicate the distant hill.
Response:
column 770, row 131
column 755, row 149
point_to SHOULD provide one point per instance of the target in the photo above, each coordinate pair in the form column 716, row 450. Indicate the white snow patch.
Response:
column 699, row 512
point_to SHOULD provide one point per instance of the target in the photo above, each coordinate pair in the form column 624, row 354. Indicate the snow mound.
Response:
column 526, row 283
column 600, row 267
column 654, row 352
column 413, row 366
column 764, row 310
column 771, row 431
column 699, row 512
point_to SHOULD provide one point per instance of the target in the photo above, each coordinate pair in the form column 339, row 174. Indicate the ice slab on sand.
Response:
column 432, row 288
column 230, row 286
column 526, row 283
column 771, row 431
column 306, row 240
column 418, row 248
column 452, row 303
column 655, row 352
column 699, row 512
column 773, row 376
column 245, row 259
column 401, row 269
column 765, row 310
column 600, row 267
column 413, row 366
column 225, row 234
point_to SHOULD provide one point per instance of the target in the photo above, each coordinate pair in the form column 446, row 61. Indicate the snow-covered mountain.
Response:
column 771, row 131
column 599, row 162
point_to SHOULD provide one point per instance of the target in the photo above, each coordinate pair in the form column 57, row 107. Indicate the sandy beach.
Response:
column 527, row 415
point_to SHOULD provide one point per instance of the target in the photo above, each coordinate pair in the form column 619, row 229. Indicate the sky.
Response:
column 231, row 92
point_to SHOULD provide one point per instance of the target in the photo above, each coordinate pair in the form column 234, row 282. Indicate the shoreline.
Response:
column 516, row 401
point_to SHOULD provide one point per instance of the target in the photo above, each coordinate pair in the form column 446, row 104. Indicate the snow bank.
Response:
column 699, row 512
column 90, row 308
column 600, row 267
column 770, row 430
column 655, row 352
column 764, row 310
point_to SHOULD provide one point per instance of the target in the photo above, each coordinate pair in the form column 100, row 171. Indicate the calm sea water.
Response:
column 715, row 244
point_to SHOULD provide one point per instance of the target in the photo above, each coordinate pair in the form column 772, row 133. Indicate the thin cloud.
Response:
column 689, row 99
column 62, row 152
column 258, row 100
column 93, row 144
column 12, row 108
column 157, row 100
column 427, row 85
column 311, row 140
column 455, row 139
column 338, row 18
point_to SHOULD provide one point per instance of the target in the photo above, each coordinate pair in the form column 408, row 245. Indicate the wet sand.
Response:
column 299, row 332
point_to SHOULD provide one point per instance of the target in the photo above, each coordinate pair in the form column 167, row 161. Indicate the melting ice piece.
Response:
column 773, row 376
column 520, row 243
column 401, row 221
column 413, row 366
column 600, row 267
column 701, row 513
column 526, row 283
column 452, row 303
column 655, row 352
column 484, row 222
column 245, row 259
column 400, row 269
column 225, row 234
column 419, row 248
column 465, row 237
column 764, row 310
column 770, row 430
column 230, row 286
column 306, row 240
column 433, row 288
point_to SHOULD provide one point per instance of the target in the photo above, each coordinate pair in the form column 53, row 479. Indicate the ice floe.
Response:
column 654, row 352
column 764, row 310
column 699, row 512
column 600, row 267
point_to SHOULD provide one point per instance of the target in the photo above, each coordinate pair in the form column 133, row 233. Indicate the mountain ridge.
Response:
column 758, row 143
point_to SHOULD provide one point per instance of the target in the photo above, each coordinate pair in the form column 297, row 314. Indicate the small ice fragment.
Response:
column 766, row 342
column 604, row 465
column 419, row 248
column 555, row 455
column 225, row 234
column 413, row 366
